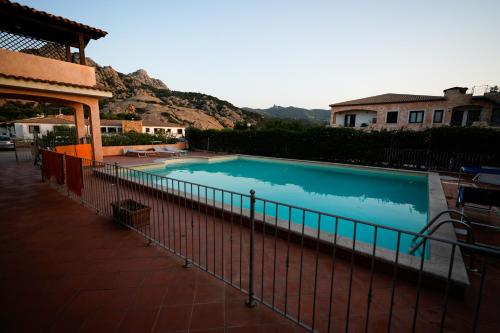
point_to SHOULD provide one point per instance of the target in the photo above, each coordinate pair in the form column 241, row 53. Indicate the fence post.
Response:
column 251, row 302
column 117, row 184
column 65, row 174
column 15, row 151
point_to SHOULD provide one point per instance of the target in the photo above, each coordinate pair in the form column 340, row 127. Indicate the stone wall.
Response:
column 132, row 125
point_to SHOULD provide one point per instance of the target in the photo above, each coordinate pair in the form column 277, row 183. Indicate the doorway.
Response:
column 350, row 120
column 456, row 117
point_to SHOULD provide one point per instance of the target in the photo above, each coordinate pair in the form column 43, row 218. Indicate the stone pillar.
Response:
column 81, row 132
column 95, row 131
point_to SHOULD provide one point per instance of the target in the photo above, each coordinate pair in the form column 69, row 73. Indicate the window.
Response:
column 169, row 130
column 392, row 117
column 104, row 129
column 147, row 129
column 438, row 116
column 111, row 129
column 416, row 117
column 179, row 131
column 159, row 130
column 34, row 129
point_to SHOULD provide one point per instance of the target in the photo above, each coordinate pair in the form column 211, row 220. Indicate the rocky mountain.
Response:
column 311, row 115
column 138, row 93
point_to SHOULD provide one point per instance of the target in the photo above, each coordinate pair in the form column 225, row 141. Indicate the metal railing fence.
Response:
column 24, row 150
column 322, row 271
column 422, row 159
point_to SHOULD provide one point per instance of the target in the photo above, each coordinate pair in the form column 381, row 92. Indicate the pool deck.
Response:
column 63, row 269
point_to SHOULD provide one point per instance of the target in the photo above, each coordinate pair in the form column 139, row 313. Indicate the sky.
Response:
column 306, row 53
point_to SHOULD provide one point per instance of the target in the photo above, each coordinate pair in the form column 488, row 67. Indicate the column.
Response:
column 95, row 131
column 79, row 123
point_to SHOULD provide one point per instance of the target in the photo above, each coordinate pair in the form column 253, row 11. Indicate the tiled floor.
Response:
column 65, row 269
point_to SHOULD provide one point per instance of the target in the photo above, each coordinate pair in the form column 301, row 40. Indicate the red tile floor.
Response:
column 65, row 269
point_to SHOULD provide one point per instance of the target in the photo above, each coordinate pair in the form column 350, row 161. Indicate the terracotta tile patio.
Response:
column 65, row 269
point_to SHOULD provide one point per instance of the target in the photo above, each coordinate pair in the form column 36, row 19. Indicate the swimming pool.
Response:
column 383, row 197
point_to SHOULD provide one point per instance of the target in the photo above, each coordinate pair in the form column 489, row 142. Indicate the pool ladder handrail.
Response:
column 465, row 223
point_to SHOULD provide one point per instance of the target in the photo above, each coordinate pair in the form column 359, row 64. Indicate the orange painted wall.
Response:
column 118, row 150
column 82, row 150
column 28, row 65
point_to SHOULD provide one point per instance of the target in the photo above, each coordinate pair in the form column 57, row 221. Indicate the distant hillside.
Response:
column 137, row 95
column 291, row 112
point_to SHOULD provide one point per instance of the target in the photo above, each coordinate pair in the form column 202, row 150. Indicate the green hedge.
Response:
column 135, row 138
column 348, row 145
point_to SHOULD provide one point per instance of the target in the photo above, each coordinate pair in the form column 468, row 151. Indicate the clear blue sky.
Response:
column 301, row 53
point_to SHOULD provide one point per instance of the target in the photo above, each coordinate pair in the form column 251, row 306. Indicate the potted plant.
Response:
column 131, row 213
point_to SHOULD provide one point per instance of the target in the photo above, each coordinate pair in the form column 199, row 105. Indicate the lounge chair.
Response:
column 487, row 192
column 478, row 196
column 174, row 151
column 139, row 153
column 162, row 151
column 177, row 151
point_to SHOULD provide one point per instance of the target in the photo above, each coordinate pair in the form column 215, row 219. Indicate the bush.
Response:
column 346, row 144
column 134, row 138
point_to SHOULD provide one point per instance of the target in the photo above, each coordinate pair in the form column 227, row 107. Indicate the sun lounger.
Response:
column 478, row 196
column 161, row 150
column 139, row 153
column 173, row 151
column 177, row 151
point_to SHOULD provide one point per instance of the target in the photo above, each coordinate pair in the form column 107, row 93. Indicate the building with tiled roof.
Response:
column 455, row 107
column 29, row 127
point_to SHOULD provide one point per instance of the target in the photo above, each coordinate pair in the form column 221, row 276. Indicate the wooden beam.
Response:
column 82, row 49
column 68, row 53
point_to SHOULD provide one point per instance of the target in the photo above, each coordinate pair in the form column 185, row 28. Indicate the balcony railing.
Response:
column 26, row 44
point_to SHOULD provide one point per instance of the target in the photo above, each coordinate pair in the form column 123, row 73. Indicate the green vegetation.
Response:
column 134, row 138
column 13, row 110
column 60, row 136
column 120, row 116
column 348, row 145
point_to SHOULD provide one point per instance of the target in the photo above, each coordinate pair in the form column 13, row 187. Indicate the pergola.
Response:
column 36, row 64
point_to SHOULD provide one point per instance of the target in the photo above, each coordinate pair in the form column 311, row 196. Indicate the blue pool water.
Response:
column 385, row 198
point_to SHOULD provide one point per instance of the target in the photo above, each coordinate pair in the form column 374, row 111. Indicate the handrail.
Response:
column 431, row 222
column 470, row 234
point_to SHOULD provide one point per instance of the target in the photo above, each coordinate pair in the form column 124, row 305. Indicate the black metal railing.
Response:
column 322, row 271
column 24, row 150
column 422, row 159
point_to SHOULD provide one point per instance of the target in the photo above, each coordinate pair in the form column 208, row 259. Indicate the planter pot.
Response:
column 131, row 213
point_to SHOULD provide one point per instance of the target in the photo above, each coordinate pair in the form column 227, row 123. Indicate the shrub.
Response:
column 346, row 144
column 134, row 138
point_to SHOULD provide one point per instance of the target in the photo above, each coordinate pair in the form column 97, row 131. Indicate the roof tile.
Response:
column 390, row 98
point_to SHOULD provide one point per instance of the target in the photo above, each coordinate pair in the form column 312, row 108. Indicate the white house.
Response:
column 25, row 128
